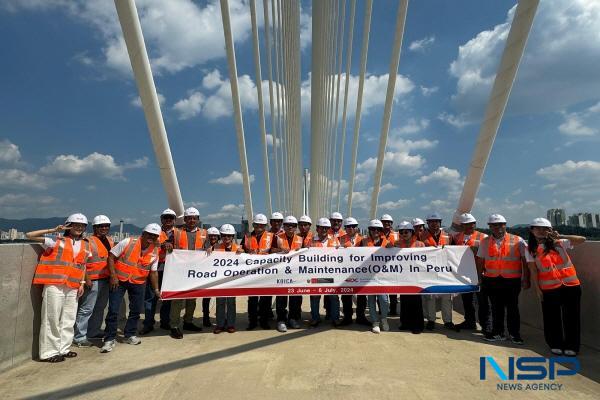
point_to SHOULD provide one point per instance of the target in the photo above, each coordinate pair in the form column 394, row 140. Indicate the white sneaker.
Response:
column 294, row 324
column 133, row 340
column 375, row 328
column 558, row 352
column 108, row 346
column 570, row 353
column 384, row 325
column 281, row 327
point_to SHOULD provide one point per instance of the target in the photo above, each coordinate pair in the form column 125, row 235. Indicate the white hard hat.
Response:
column 375, row 223
column 276, row 216
column 100, row 219
column 290, row 219
column 153, row 229
column 496, row 219
column 191, row 212
column 306, row 219
column 336, row 215
column 434, row 217
column 386, row 217
column 168, row 211
column 350, row 221
column 213, row 231
column 541, row 222
column 259, row 219
column 77, row 218
column 405, row 225
column 467, row 218
column 324, row 222
column 228, row 229
column 417, row 221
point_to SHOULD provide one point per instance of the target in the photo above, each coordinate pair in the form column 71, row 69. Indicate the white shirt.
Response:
column 118, row 250
column 50, row 243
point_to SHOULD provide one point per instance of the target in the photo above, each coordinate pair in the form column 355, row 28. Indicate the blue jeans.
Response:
column 84, row 311
column 225, row 312
column 334, row 307
column 150, row 302
column 384, row 306
column 115, row 298
column 94, row 323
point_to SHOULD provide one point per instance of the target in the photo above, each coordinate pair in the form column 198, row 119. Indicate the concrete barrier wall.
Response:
column 20, row 301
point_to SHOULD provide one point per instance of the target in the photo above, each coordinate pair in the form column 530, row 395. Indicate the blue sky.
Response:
column 72, row 136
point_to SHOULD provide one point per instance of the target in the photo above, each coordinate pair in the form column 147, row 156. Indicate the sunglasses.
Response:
column 351, row 226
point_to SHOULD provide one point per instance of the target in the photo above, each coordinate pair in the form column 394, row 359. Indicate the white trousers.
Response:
column 429, row 307
column 59, row 309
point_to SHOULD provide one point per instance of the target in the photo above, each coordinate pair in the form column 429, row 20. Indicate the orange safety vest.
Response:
column 473, row 241
column 504, row 261
column 392, row 236
column 221, row 247
column 427, row 238
column 347, row 241
column 341, row 232
column 284, row 244
column 163, row 237
column 263, row 246
column 180, row 239
column 413, row 243
column 368, row 242
column 330, row 242
column 59, row 266
column 555, row 268
column 132, row 265
column 307, row 240
column 96, row 265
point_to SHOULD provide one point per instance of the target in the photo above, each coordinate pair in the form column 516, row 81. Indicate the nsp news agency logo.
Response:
column 521, row 371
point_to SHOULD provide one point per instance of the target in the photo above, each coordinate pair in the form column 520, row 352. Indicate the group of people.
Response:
column 82, row 275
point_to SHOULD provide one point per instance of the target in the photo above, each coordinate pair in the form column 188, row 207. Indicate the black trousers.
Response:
column 206, row 306
column 393, row 303
column 347, row 307
column 411, row 312
column 504, row 294
column 281, row 304
column 562, row 322
column 483, row 308
column 259, row 307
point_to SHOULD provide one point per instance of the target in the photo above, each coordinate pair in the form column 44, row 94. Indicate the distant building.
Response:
column 589, row 220
column 577, row 220
column 557, row 216
column 597, row 220
column 12, row 234
column 3, row 235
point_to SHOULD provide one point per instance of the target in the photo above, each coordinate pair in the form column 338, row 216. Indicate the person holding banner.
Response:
column 556, row 283
column 419, row 226
column 190, row 237
column 276, row 223
column 471, row 237
column 226, row 305
column 435, row 236
column 304, row 224
column 213, row 236
column 258, row 242
column 377, row 239
column 129, row 263
column 503, row 259
column 411, row 306
column 288, row 241
column 391, row 236
column 353, row 239
column 336, row 230
column 324, row 239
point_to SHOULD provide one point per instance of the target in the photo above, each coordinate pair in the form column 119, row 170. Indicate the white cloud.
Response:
column 457, row 121
column 227, row 212
column 271, row 139
column 387, row 186
column 442, row 175
column 400, row 162
column 102, row 165
column 559, row 67
column 137, row 101
column 421, row 44
column 428, row 91
column 196, row 204
column 18, row 178
column 9, row 152
column 407, row 145
column 189, row 107
column 234, row 178
column 580, row 177
column 576, row 123
column 412, row 125
column 23, row 201
column 394, row 205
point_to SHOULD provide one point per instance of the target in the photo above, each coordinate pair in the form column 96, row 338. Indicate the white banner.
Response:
column 319, row 271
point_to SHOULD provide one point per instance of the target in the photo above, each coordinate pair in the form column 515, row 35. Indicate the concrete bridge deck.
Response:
column 320, row 363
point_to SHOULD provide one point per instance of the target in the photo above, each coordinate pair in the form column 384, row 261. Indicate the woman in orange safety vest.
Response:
column 555, row 279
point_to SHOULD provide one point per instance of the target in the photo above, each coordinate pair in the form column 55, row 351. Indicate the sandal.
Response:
column 70, row 354
column 54, row 359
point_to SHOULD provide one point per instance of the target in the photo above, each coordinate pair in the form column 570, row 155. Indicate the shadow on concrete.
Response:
column 127, row 378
